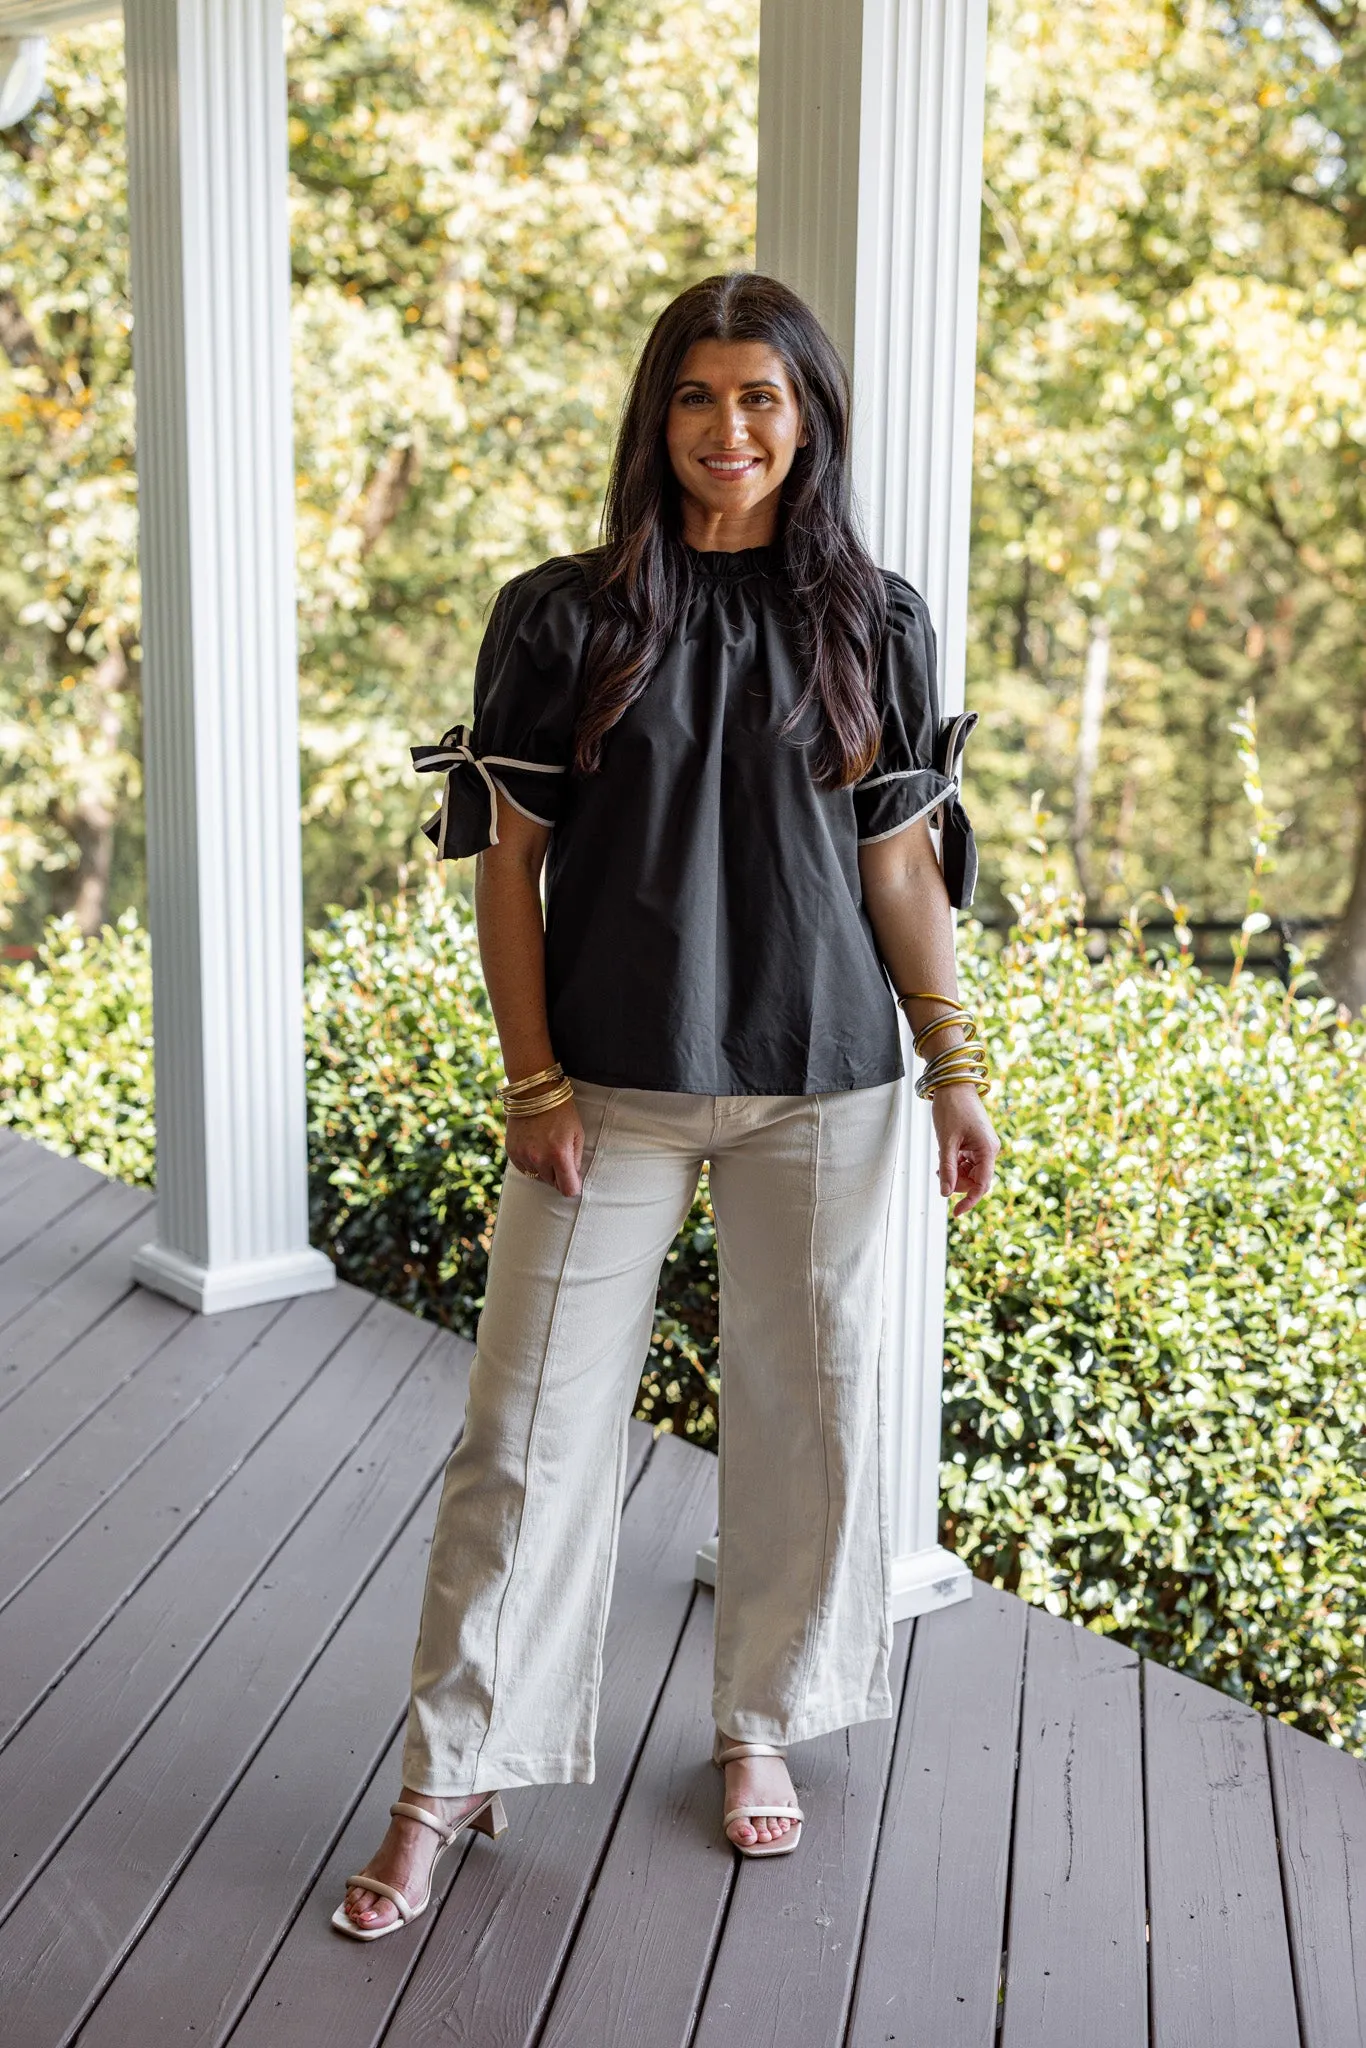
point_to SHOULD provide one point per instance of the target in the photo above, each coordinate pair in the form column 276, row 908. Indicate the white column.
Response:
column 207, row 206
column 870, row 178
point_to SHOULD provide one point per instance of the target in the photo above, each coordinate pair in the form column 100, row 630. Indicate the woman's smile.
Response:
column 729, row 465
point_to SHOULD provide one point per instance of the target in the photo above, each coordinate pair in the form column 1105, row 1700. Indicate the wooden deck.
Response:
column 212, row 1534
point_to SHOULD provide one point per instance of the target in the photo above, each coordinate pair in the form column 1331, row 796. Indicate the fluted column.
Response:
column 207, row 206
column 870, row 177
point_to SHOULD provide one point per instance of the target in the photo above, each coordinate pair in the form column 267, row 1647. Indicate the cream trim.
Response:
column 549, row 823
column 875, row 838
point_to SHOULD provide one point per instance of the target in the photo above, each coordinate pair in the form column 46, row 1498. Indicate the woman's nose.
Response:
column 733, row 427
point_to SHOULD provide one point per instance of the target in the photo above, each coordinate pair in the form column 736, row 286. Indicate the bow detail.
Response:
column 957, row 847
column 453, row 752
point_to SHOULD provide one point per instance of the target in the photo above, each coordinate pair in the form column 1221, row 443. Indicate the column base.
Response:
column 921, row 1580
column 925, row 1579
column 211, row 1289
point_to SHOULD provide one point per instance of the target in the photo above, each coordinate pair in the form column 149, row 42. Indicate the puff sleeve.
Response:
column 526, row 697
column 915, row 773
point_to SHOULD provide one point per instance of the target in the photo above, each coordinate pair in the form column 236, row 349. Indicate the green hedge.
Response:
column 1155, row 1395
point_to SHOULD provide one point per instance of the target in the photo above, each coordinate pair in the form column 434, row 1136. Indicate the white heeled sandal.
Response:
column 726, row 1752
column 487, row 1819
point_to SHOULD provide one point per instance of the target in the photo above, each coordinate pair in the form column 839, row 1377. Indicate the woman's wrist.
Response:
column 946, row 1041
column 522, row 1061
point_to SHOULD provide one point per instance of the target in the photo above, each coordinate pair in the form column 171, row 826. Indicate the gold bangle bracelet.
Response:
column 926, row 995
column 553, row 1073
column 537, row 1105
column 928, row 1094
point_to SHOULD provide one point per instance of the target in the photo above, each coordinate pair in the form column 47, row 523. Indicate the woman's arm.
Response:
column 507, row 908
column 908, row 907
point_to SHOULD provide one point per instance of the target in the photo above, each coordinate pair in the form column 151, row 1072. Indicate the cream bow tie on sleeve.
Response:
column 459, row 821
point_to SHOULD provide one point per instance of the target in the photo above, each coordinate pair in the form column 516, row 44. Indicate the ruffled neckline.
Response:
column 722, row 565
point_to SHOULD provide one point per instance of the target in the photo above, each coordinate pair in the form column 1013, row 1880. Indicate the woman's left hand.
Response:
column 968, row 1145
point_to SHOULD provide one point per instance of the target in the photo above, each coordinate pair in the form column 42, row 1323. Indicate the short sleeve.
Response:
column 526, row 697
column 903, row 783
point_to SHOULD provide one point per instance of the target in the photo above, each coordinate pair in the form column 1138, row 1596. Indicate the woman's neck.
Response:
column 727, row 533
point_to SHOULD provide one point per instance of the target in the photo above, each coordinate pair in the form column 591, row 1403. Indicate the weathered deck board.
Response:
column 931, row 1958
column 133, row 1839
column 785, row 1965
column 44, row 1627
column 1220, row 1958
column 1320, row 1798
column 88, row 1722
column 37, row 1188
column 218, row 1537
column 1075, row 1940
column 311, row 1992
column 484, row 1978
column 643, row 1952
column 29, row 1274
column 33, row 1341
column 49, row 1414
column 248, row 1873
column 179, row 1363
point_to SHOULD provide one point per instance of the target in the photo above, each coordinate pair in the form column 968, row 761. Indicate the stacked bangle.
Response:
column 956, row 1063
column 536, row 1093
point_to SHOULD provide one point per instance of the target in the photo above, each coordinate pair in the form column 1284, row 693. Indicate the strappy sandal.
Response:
column 488, row 1819
column 725, row 1752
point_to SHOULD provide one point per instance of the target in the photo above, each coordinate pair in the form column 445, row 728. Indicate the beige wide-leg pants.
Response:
column 509, row 1655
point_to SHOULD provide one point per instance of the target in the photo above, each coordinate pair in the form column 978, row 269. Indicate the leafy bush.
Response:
column 76, row 1047
column 1155, row 1396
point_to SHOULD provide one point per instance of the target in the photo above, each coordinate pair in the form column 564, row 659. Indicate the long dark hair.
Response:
column 838, row 599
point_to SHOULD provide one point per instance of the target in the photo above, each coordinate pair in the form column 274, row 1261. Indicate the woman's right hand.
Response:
column 548, row 1147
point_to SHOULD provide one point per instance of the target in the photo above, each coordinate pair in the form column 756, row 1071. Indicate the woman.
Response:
column 718, row 732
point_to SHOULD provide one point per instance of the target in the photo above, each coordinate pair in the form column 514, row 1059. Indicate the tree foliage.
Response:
column 489, row 205
column 1171, row 428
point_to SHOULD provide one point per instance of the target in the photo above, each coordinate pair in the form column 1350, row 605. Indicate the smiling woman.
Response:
column 717, row 735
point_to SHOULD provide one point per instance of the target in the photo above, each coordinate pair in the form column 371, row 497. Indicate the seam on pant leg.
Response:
column 816, row 1610
column 607, row 1567
column 719, row 1589
column 608, row 1117
column 883, row 1370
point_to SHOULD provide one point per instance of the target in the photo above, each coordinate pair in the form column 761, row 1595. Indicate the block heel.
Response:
column 490, row 1820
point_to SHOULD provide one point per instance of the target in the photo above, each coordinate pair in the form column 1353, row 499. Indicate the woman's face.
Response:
column 734, row 427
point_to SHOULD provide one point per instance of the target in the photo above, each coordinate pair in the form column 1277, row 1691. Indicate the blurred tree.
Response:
column 1171, row 422
column 490, row 204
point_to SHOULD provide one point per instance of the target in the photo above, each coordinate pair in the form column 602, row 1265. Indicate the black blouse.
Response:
column 705, row 927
